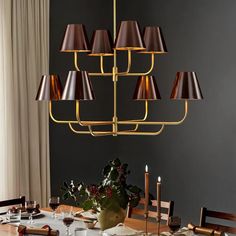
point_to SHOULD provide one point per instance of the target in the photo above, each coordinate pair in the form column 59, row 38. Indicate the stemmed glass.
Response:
column 30, row 207
column 54, row 203
column 68, row 219
column 174, row 224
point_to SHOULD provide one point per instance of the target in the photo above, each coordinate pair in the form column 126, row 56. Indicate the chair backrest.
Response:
column 11, row 202
column 167, row 209
column 205, row 213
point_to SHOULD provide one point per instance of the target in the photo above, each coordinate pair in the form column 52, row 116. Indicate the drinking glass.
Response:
column 14, row 215
column 30, row 207
column 68, row 219
column 174, row 224
column 54, row 203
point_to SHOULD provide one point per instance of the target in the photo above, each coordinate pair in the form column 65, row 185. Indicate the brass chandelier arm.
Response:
column 100, row 74
column 93, row 133
column 108, row 133
column 102, row 64
column 89, row 123
column 143, row 119
column 127, row 73
column 103, row 73
column 59, row 121
column 129, row 63
column 76, row 61
column 101, row 133
column 145, row 114
column 141, row 73
column 82, row 123
column 143, row 132
column 131, row 130
column 158, row 122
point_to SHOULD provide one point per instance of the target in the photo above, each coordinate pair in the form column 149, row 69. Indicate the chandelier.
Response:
column 78, row 85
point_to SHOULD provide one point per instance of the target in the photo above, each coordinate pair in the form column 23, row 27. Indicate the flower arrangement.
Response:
column 112, row 192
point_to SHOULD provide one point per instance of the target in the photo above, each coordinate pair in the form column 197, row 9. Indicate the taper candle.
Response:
column 146, row 189
column 159, row 199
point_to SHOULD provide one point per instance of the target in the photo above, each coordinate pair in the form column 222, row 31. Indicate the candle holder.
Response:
column 158, row 224
column 146, row 223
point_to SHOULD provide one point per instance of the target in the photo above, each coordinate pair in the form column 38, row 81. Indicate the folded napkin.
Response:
column 121, row 230
column 45, row 230
column 205, row 231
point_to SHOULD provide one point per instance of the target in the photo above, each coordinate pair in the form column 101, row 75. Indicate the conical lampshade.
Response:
column 146, row 89
column 78, row 87
column 186, row 86
column 75, row 39
column 49, row 89
column 101, row 43
column 129, row 37
column 154, row 40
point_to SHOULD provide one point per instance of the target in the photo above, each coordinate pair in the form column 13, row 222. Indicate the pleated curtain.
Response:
column 24, row 125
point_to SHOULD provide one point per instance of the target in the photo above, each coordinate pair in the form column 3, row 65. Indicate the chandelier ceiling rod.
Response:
column 78, row 85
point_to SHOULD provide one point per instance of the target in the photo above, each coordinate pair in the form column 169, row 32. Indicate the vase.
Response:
column 109, row 218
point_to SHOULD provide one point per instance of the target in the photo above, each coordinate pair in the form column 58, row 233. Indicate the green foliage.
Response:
column 112, row 192
column 87, row 204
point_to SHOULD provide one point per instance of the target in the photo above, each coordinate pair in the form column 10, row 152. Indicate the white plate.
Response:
column 121, row 230
column 25, row 215
column 88, row 215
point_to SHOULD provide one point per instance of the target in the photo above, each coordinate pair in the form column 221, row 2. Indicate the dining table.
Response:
column 57, row 224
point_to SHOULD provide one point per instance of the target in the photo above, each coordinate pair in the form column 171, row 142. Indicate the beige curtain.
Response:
column 24, row 140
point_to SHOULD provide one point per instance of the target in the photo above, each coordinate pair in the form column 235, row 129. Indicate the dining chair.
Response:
column 167, row 209
column 217, row 215
column 11, row 202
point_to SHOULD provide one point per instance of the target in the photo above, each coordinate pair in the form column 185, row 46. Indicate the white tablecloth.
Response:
column 57, row 224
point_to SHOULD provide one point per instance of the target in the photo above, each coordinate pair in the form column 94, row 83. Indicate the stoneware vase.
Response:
column 109, row 218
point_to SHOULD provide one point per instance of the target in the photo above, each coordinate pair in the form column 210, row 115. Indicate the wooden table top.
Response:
column 9, row 230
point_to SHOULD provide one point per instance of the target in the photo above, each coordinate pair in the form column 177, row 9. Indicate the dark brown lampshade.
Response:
column 75, row 39
column 186, row 86
column 78, row 87
column 154, row 40
column 49, row 89
column 146, row 89
column 101, row 43
column 129, row 37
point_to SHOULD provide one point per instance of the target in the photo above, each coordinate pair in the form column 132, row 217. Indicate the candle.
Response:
column 146, row 189
column 159, row 199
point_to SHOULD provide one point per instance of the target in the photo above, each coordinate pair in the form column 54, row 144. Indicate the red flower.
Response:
column 120, row 169
column 93, row 190
column 109, row 192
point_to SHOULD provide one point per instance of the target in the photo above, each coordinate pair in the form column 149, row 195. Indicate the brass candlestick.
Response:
column 158, row 205
column 158, row 224
column 146, row 223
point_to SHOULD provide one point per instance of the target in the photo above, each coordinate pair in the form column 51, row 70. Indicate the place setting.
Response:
column 26, row 213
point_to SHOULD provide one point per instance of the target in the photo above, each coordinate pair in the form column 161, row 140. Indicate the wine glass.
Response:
column 54, row 203
column 174, row 224
column 68, row 219
column 30, row 207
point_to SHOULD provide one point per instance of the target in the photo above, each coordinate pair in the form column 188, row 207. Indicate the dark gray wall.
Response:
column 197, row 159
